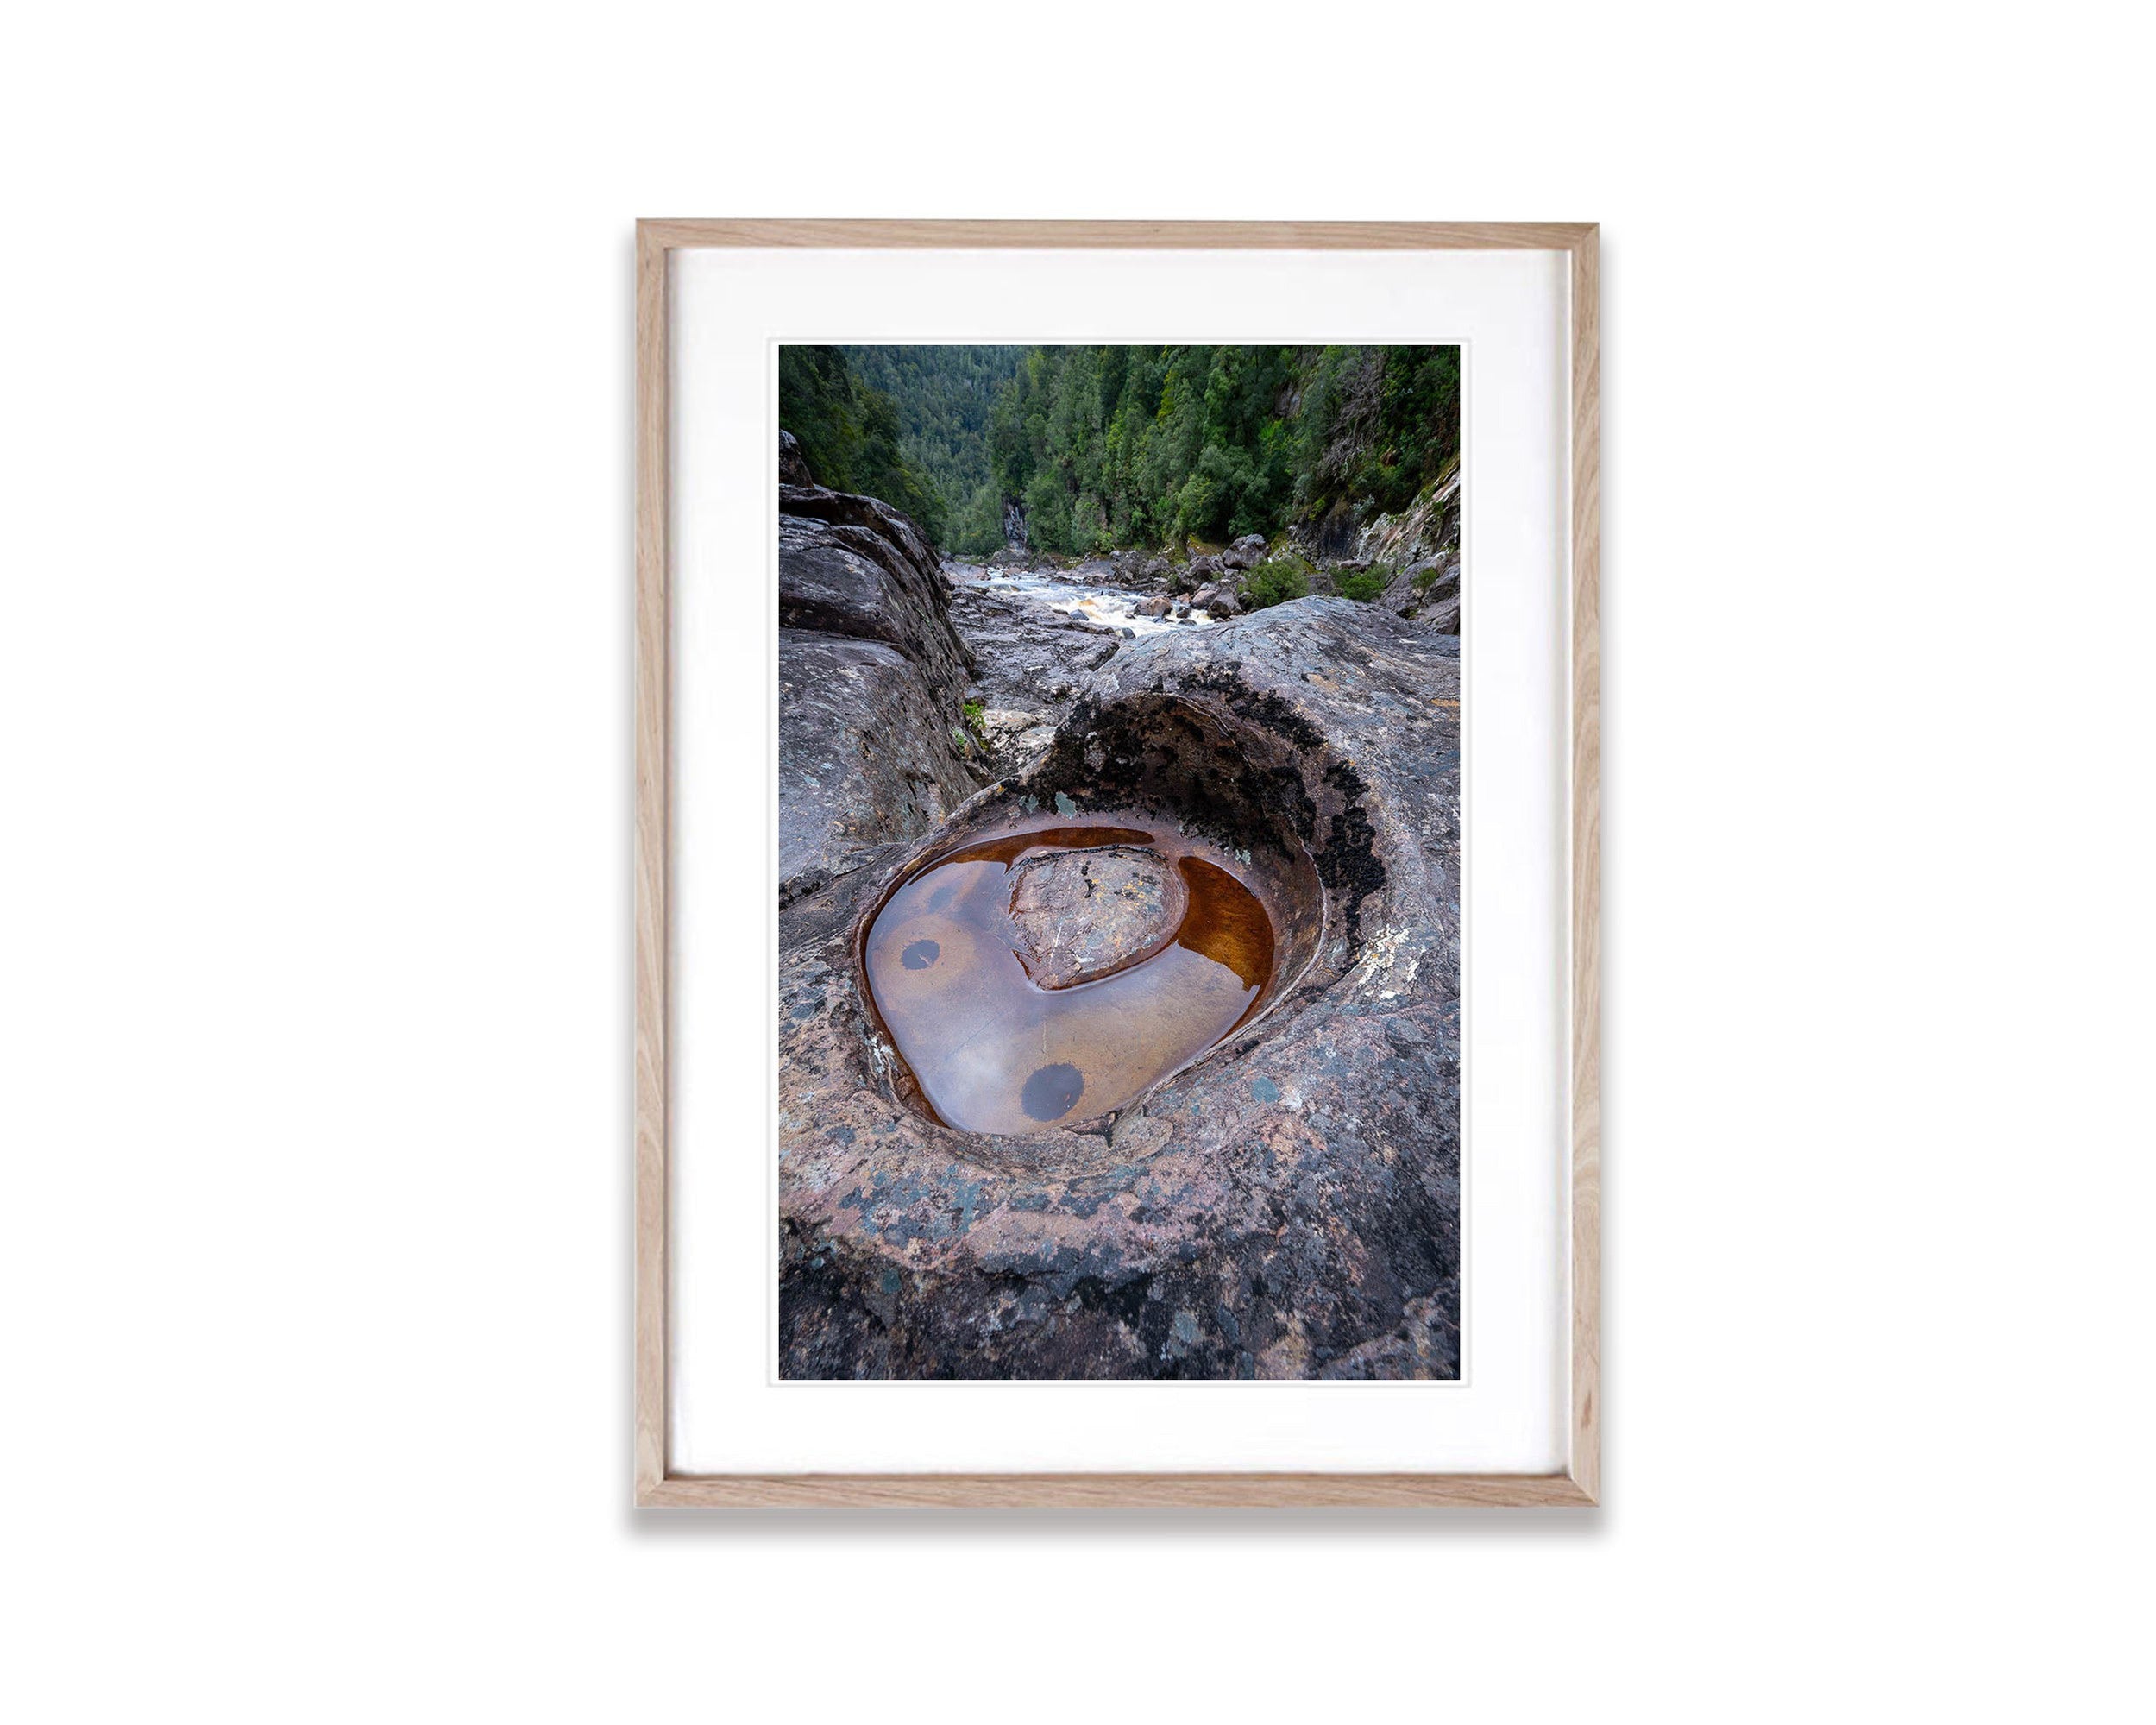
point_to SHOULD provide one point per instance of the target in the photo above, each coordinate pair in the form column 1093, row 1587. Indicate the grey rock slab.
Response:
column 866, row 757
column 852, row 565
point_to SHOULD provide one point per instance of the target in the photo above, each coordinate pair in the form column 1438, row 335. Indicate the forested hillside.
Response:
column 1110, row 447
column 851, row 434
column 945, row 396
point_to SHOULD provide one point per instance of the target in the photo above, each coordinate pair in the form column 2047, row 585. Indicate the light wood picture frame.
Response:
column 1578, row 1481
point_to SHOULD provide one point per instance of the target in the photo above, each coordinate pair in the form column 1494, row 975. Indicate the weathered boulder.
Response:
column 1287, row 1205
column 851, row 565
column 1206, row 567
column 1156, row 605
column 793, row 465
column 1428, row 589
column 1432, row 577
column 1015, row 735
column 866, row 758
column 1224, row 605
column 1205, row 598
column 1248, row 552
column 871, row 676
column 1443, row 616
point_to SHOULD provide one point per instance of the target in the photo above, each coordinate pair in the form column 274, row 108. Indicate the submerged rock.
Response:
column 1285, row 1204
column 1082, row 914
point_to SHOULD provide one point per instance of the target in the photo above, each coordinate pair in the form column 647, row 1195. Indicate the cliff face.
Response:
column 855, row 566
column 871, row 680
column 1421, row 545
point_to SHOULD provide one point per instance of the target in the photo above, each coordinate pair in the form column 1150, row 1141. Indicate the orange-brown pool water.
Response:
column 1048, row 976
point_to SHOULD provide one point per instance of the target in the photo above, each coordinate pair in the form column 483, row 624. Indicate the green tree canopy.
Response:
column 1107, row 447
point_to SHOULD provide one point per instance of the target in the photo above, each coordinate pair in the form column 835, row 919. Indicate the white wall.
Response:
column 315, row 390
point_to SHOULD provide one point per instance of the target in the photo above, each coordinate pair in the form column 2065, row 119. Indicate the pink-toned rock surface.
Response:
column 1288, row 1205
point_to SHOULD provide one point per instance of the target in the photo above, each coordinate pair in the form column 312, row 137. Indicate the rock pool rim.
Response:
column 1134, row 823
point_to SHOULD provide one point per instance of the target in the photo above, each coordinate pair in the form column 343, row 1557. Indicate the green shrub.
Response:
column 1275, row 581
column 1366, row 585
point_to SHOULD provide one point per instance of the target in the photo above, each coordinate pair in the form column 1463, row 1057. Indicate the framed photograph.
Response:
column 1116, row 853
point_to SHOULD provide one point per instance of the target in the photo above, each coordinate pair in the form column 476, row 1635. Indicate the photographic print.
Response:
column 1119, row 895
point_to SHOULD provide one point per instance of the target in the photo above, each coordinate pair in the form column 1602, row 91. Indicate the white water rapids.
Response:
column 1113, row 607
